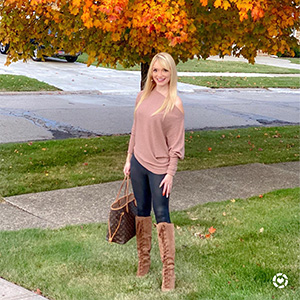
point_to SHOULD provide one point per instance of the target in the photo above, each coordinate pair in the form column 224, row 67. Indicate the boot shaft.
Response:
column 143, row 226
column 143, row 243
column 166, row 240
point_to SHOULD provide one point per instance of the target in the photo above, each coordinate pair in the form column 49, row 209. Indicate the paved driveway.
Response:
column 78, row 77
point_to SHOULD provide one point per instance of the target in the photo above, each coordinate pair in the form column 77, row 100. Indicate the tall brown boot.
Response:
column 143, row 243
column 166, row 240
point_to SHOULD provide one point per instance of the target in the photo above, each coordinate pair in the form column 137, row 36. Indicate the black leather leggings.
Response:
column 146, row 190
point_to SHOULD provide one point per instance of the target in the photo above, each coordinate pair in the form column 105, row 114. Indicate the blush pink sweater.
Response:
column 156, row 142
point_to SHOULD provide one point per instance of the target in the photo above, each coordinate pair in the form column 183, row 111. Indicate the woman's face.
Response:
column 160, row 75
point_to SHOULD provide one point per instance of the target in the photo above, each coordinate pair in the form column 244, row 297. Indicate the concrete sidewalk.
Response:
column 10, row 291
column 269, row 60
column 89, row 204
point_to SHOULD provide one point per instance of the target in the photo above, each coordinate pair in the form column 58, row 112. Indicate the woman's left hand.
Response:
column 167, row 183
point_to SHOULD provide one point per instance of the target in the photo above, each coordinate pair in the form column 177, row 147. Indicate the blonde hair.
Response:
column 168, row 63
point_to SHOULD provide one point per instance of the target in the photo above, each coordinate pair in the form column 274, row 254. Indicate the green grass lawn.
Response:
column 201, row 65
column 18, row 83
column 57, row 164
column 255, row 239
column 243, row 82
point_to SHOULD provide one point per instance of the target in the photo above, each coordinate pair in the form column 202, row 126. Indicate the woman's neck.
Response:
column 163, row 90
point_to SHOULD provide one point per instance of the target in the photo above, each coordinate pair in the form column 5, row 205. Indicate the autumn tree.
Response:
column 133, row 31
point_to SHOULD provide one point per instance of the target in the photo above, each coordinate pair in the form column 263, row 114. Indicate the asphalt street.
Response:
column 27, row 117
column 98, row 101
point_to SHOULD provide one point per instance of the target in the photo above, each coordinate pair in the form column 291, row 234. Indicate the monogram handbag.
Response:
column 121, row 221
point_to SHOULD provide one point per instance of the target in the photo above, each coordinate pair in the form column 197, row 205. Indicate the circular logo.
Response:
column 280, row 280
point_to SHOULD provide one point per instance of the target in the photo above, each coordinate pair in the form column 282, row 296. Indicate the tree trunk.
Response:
column 144, row 72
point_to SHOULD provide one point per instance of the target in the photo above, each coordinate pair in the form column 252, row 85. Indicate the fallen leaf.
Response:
column 44, row 149
column 261, row 230
column 212, row 230
column 260, row 196
column 38, row 292
column 232, row 200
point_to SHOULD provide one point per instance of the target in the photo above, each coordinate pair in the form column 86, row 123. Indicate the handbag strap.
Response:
column 109, row 231
column 127, row 193
column 126, row 178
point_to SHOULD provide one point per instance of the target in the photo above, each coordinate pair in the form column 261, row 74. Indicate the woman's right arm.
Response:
column 126, row 169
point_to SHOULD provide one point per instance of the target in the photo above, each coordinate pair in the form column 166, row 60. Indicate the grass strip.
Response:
column 202, row 65
column 19, row 83
column 255, row 239
column 243, row 82
column 56, row 164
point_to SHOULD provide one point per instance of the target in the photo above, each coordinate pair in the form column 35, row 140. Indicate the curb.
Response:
column 86, row 92
column 189, row 90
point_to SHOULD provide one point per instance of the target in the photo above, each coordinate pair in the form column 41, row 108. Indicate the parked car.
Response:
column 4, row 48
column 59, row 53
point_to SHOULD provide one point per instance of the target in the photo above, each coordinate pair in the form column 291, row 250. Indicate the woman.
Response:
column 156, row 144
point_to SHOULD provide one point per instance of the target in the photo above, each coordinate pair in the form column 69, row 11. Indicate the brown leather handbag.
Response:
column 121, row 221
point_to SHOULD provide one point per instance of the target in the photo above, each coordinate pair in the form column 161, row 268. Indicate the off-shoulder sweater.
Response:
column 156, row 142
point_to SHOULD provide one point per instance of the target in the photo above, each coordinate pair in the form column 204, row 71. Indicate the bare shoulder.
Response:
column 138, row 98
column 179, row 104
column 140, row 94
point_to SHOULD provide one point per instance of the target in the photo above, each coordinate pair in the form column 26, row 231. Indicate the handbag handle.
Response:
column 126, row 191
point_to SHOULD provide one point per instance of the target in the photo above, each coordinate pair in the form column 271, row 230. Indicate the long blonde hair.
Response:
column 168, row 63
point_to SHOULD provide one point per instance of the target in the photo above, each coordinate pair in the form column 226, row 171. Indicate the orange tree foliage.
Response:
column 132, row 31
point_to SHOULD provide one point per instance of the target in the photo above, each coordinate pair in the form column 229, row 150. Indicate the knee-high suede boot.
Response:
column 166, row 239
column 143, row 242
